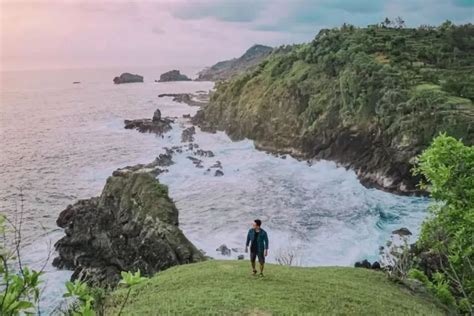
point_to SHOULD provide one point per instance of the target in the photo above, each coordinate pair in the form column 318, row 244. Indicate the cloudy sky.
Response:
column 38, row 34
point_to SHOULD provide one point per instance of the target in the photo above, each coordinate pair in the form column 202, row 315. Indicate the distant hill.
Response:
column 223, row 70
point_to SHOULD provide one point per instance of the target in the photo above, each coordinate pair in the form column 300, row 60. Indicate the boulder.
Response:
column 224, row 250
column 402, row 232
column 173, row 75
column 156, row 116
column 218, row 173
column 217, row 165
column 132, row 225
column 204, row 153
column 376, row 265
column 164, row 160
column 188, row 134
column 128, row 78
column 240, row 257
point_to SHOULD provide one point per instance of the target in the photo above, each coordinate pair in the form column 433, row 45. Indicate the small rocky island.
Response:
column 128, row 78
column 157, row 124
column 132, row 225
column 173, row 75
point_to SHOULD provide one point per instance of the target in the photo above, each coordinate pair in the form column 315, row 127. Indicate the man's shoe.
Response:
column 254, row 272
column 261, row 274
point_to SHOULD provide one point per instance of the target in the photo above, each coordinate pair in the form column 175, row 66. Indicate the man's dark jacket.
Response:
column 262, row 240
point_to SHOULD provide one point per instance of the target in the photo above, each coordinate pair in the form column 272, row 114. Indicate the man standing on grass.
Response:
column 258, row 240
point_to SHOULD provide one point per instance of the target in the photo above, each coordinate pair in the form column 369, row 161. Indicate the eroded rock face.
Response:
column 128, row 78
column 132, row 225
column 173, row 75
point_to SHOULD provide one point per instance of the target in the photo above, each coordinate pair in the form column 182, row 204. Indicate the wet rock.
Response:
column 164, row 160
column 187, row 98
column 151, row 168
column 218, row 173
column 217, row 165
column 197, row 162
column 173, row 75
column 128, row 78
column 186, row 115
column 76, row 82
column 224, row 250
column 132, row 225
column 402, row 232
column 188, row 134
column 204, row 153
column 155, row 125
column 156, row 116
column 240, row 257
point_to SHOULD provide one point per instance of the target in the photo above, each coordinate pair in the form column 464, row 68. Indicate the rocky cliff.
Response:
column 132, row 225
column 370, row 99
column 226, row 69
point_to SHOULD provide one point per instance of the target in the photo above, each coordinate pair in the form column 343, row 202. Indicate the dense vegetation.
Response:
column 446, row 245
column 228, row 288
column 371, row 98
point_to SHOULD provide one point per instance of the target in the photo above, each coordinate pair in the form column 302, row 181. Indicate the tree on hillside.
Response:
column 448, row 236
column 386, row 22
column 399, row 22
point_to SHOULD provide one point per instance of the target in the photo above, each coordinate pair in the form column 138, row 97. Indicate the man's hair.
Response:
column 258, row 222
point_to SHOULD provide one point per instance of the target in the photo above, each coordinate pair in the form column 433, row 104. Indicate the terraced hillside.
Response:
column 369, row 98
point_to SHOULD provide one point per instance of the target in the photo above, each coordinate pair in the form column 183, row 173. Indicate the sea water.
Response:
column 60, row 141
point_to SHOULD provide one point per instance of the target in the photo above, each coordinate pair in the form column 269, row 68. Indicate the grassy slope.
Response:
column 226, row 287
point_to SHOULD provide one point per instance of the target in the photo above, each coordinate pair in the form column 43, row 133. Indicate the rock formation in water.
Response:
column 173, row 75
column 190, row 99
column 128, row 78
column 132, row 225
column 157, row 124
column 369, row 107
column 226, row 69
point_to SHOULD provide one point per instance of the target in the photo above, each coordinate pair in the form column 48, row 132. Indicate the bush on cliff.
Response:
column 447, row 237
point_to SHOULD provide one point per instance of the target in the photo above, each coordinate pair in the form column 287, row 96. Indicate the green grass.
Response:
column 227, row 288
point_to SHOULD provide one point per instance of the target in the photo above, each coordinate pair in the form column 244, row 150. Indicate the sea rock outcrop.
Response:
column 157, row 124
column 132, row 225
column 128, row 78
column 188, row 98
column 173, row 75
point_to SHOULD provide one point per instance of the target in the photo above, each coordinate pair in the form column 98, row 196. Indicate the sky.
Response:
column 45, row 34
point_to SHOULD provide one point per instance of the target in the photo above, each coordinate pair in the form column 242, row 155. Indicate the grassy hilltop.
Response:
column 227, row 287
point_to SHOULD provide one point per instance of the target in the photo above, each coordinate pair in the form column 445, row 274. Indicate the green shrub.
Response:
column 448, row 168
column 420, row 276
